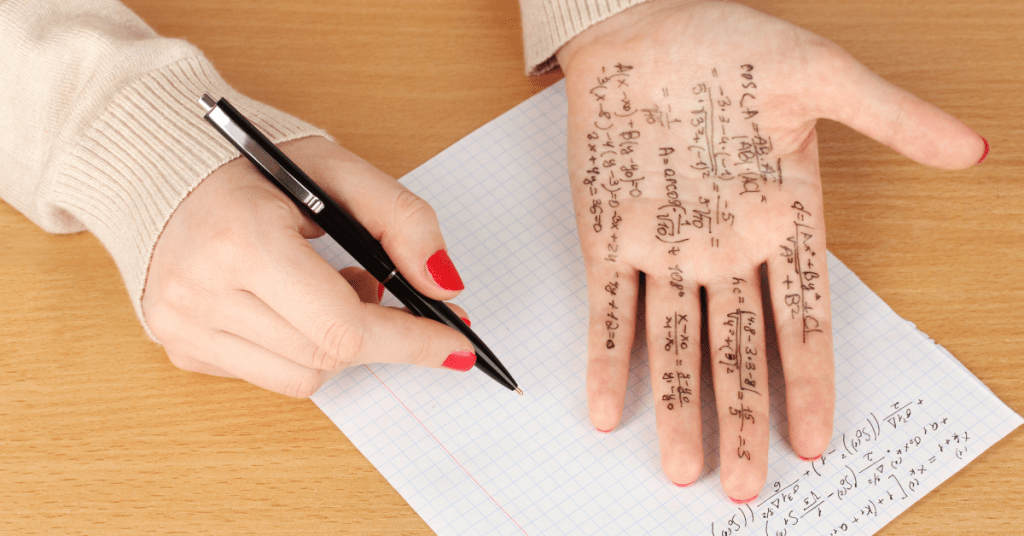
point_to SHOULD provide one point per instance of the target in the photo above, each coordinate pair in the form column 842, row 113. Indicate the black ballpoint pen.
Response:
column 344, row 229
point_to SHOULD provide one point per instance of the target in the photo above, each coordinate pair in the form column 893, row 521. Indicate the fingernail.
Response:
column 808, row 459
column 460, row 361
column 603, row 431
column 380, row 291
column 983, row 155
column 466, row 320
column 443, row 271
column 685, row 485
column 743, row 502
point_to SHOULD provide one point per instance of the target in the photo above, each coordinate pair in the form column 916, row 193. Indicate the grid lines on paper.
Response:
column 472, row 460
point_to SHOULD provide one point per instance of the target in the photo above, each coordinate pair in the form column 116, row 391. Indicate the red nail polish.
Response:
column 744, row 502
column 380, row 291
column 685, row 485
column 460, row 361
column 603, row 431
column 808, row 459
column 983, row 155
column 443, row 271
column 466, row 320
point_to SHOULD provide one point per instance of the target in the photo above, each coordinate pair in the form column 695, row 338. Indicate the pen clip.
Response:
column 252, row 149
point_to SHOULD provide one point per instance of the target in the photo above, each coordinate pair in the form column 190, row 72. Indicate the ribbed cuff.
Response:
column 146, row 152
column 549, row 24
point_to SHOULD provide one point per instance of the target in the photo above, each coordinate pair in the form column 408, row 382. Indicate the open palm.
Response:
column 693, row 160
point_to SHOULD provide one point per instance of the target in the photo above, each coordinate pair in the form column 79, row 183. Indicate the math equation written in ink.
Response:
column 890, row 458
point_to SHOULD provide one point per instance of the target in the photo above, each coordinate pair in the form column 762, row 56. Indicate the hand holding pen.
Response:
column 234, row 288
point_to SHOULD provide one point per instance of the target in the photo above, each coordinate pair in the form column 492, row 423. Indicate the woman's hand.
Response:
column 234, row 289
column 693, row 159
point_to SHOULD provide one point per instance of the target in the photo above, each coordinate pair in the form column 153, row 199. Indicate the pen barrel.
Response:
column 421, row 305
column 359, row 243
column 341, row 226
column 332, row 218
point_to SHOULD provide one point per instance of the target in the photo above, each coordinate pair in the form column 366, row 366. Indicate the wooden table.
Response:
column 99, row 433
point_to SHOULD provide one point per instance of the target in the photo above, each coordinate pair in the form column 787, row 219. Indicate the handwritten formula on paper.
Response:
column 876, row 466
column 469, row 461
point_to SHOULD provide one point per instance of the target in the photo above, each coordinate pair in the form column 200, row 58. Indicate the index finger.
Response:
column 291, row 278
column 405, row 225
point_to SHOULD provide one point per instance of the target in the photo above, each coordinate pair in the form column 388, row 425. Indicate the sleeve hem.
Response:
column 549, row 24
column 145, row 152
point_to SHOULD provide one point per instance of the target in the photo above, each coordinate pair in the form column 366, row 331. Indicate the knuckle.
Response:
column 831, row 53
column 825, row 51
column 316, row 357
column 223, row 245
column 824, row 324
column 159, row 319
column 420, row 352
column 174, row 290
column 220, row 239
column 342, row 339
column 277, row 214
column 411, row 208
column 183, row 361
column 800, row 327
column 236, row 244
column 899, row 124
column 302, row 385
column 179, row 293
column 163, row 319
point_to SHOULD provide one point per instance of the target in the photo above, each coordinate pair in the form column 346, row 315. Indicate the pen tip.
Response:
column 519, row 391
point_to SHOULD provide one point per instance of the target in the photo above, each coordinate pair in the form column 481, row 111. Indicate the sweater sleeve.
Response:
column 549, row 24
column 100, row 129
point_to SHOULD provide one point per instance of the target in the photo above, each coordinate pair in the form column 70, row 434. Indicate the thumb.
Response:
column 859, row 98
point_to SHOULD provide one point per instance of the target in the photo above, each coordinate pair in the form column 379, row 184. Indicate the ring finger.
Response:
column 740, row 374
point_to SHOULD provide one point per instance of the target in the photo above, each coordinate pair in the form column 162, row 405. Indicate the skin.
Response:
column 235, row 290
column 661, row 52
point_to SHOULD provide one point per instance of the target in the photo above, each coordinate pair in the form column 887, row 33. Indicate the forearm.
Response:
column 99, row 128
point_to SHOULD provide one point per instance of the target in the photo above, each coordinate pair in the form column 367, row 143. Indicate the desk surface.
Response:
column 99, row 433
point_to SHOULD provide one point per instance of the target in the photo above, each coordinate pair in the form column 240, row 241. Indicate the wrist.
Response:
column 143, row 153
column 619, row 28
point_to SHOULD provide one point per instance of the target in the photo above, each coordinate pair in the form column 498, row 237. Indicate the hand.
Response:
column 235, row 290
column 693, row 159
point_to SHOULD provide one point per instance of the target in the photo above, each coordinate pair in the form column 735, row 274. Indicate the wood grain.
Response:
column 100, row 434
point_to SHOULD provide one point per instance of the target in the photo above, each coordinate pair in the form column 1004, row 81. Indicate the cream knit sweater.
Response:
column 98, row 123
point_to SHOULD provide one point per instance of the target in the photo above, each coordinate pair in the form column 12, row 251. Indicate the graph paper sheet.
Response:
column 472, row 458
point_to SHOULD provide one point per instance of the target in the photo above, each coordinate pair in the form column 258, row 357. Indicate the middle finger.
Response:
column 673, row 342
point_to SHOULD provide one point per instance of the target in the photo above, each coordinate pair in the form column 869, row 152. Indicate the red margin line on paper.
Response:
column 431, row 434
